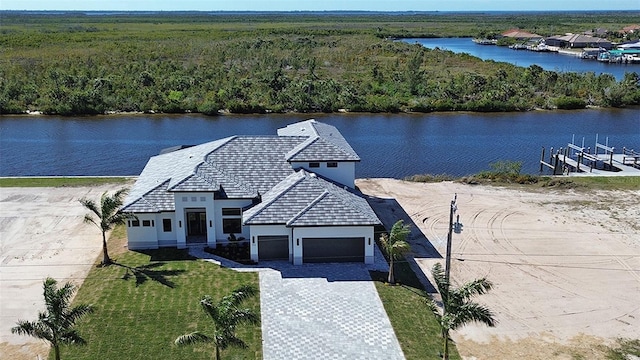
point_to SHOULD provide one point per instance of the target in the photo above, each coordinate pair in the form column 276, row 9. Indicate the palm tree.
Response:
column 109, row 215
column 396, row 245
column 226, row 317
column 458, row 309
column 56, row 324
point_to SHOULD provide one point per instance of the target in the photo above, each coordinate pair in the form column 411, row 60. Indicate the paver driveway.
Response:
column 322, row 311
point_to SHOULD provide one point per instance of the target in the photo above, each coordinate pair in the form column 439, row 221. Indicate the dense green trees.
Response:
column 76, row 64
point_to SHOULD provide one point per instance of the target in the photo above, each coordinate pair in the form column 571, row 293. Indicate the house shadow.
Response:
column 389, row 211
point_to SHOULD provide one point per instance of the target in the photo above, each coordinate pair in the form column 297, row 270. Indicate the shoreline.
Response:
column 345, row 112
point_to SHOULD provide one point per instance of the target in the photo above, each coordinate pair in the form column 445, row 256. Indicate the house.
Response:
column 290, row 196
column 521, row 35
column 630, row 29
column 578, row 41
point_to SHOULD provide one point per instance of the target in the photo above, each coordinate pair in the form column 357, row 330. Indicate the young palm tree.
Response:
column 226, row 316
column 396, row 245
column 458, row 309
column 108, row 214
column 57, row 324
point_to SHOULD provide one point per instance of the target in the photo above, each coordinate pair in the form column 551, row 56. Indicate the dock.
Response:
column 574, row 160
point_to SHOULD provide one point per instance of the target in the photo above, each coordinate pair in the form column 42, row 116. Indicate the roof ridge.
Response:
column 265, row 205
column 308, row 207
column 310, row 140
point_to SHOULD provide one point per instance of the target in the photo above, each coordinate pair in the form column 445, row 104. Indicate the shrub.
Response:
column 569, row 103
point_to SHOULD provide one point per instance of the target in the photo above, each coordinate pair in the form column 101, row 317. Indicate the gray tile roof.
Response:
column 324, row 143
column 305, row 199
column 238, row 167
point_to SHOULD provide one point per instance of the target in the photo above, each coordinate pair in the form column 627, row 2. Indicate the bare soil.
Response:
column 565, row 265
column 42, row 234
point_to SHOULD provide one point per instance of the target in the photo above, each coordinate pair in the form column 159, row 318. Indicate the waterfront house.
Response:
column 290, row 196
column 578, row 41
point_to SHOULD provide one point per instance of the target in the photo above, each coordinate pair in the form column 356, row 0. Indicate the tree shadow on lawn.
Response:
column 143, row 273
column 159, row 257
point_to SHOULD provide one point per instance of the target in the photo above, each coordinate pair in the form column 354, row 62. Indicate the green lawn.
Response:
column 414, row 324
column 141, row 310
column 60, row 181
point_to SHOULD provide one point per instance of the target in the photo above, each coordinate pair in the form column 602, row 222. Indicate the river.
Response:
column 546, row 60
column 390, row 145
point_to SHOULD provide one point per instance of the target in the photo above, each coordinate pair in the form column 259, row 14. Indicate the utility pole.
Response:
column 452, row 209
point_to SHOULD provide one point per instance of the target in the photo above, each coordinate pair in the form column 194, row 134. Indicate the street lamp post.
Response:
column 452, row 209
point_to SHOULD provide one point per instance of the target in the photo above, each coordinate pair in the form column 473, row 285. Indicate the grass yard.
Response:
column 61, row 181
column 414, row 324
column 152, row 297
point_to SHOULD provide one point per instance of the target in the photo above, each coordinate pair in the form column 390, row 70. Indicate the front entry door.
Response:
column 197, row 223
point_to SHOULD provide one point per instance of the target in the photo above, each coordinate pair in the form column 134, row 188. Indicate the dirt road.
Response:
column 565, row 265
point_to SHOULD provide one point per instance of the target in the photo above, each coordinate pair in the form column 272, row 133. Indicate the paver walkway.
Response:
column 322, row 311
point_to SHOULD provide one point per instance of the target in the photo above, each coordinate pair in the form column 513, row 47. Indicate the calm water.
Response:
column 389, row 145
column 524, row 58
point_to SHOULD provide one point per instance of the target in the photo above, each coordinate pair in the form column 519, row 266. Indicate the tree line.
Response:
column 75, row 65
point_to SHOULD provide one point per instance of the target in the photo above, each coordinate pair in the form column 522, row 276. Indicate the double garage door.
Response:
column 314, row 250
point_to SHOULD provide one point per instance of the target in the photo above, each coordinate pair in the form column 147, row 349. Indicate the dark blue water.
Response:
column 546, row 60
column 390, row 145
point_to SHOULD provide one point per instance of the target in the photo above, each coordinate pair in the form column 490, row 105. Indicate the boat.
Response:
column 485, row 41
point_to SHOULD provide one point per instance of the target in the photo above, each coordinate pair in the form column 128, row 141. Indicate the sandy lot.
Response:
column 565, row 265
column 41, row 234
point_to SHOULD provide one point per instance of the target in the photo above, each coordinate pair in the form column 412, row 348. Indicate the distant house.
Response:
column 290, row 196
column 578, row 41
column 596, row 32
column 631, row 29
column 520, row 35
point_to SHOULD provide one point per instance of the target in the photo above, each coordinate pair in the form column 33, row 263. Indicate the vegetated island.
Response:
column 80, row 63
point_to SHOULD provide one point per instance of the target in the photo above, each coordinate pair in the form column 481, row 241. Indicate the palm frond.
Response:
column 441, row 281
column 231, row 340
column 473, row 288
column 192, row 338
column 72, row 337
column 242, row 293
column 473, row 312
column 92, row 206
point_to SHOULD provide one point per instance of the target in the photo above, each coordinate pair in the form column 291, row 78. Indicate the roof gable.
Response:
column 304, row 199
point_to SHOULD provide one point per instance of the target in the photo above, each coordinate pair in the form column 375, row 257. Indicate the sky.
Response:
column 320, row 5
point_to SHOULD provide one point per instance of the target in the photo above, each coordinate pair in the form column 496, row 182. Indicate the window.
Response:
column 203, row 199
column 135, row 222
column 231, row 222
column 232, row 226
column 332, row 164
column 146, row 223
column 166, row 225
column 314, row 165
column 231, row 211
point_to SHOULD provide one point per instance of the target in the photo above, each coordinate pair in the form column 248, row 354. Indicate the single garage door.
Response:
column 333, row 250
column 273, row 247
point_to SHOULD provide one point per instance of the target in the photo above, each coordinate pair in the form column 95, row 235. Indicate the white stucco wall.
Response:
column 345, row 173
column 166, row 238
column 143, row 237
column 300, row 233
column 267, row 230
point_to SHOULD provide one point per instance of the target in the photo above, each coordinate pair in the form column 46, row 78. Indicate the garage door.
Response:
column 273, row 247
column 333, row 250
